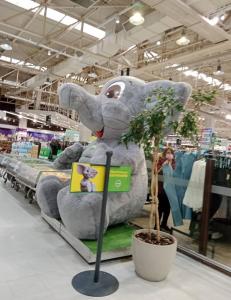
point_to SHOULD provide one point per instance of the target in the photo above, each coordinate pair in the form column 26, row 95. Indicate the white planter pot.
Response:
column 153, row 262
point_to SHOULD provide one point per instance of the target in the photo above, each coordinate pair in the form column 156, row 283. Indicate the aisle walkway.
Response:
column 36, row 264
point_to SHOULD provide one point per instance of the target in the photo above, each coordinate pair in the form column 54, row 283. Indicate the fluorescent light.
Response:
column 191, row 73
column 227, row 87
column 136, row 19
column 6, row 45
column 203, row 76
column 91, row 75
column 57, row 16
column 182, row 68
column 150, row 55
column 212, row 21
column 172, row 66
column 209, row 80
column 183, row 41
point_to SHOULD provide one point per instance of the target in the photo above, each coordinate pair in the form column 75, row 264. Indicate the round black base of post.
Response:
column 84, row 284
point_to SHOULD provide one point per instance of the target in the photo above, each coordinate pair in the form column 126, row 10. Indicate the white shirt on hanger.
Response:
column 195, row 191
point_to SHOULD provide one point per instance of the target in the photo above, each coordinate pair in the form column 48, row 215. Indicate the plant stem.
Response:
column 154, row 193
column 153, row 203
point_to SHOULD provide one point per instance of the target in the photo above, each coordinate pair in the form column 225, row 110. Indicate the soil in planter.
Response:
column 145, row 237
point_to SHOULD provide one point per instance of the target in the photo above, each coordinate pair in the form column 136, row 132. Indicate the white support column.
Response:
column 22, row 123
column 38, row 100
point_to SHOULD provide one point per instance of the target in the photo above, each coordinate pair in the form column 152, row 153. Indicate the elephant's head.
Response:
column 108, row 114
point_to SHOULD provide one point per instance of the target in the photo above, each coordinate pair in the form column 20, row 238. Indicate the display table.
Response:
column 117, row 241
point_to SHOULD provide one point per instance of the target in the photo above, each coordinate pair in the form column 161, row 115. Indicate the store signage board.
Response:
column 206, row 138
column 88, row 178
column 71, row 136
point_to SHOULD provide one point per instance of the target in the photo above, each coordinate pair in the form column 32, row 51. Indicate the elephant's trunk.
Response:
column 72, row 96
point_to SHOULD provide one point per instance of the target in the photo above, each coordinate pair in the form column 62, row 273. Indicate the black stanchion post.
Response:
column 103, row 215
column 98, row 283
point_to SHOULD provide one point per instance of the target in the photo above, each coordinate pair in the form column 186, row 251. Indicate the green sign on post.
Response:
column 119, row 179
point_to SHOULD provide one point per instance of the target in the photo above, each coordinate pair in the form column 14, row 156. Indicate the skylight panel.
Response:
column 69, row 20
column 57, row 16
column 21, row 63
column 26, row 4
column 53, row 14
column 92, row 30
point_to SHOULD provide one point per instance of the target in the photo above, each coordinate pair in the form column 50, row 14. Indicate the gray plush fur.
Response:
column 81, row 212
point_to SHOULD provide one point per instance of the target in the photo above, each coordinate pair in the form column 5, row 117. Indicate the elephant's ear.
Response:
column 80, row 169
column 182, row 90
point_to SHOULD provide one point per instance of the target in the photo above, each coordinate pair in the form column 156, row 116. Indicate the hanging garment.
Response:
column 170, row 190
column 187, row 161
column 184, row 164
column 195, row 191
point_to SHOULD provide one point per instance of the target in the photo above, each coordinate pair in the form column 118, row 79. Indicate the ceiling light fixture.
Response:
column 47, row 81
column 212, row 21
column 117, row 19
column 136, row 19
column 219, row 70
column 49, row 53
column 183, row 40
column 158, row 43
column 228, row 117
column 222, row 17
column 6, row 45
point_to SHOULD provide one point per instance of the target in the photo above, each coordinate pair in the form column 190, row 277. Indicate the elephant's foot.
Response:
column 80, row 213
column 46, row 194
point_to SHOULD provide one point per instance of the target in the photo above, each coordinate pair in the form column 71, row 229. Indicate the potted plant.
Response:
column 154, row 251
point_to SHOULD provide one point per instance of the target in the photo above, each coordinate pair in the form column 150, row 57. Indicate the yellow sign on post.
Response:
column 88, row 178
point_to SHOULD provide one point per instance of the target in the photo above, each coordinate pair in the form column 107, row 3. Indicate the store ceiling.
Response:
column 57, row 41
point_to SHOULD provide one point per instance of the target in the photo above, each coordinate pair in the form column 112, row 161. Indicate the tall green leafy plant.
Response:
column 150, row 126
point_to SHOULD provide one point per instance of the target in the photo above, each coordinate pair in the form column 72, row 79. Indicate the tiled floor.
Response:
column 36, row 264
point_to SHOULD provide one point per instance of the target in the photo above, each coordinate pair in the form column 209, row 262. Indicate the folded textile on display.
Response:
column 195, row 191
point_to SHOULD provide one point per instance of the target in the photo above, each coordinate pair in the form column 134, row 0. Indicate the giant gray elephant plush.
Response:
column 107, row 115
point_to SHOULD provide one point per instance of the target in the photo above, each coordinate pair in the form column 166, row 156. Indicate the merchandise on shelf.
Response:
column 26, row 149
column 5, row 146
column 44, row 152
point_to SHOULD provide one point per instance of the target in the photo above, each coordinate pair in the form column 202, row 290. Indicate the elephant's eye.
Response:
column 115, row 90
